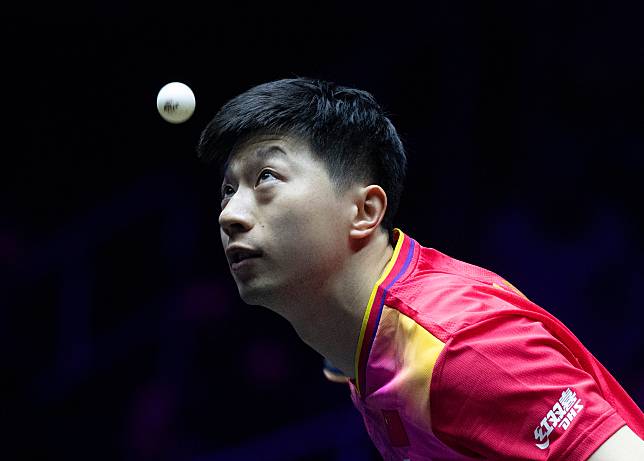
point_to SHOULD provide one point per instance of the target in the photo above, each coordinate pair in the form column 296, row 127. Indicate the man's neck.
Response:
column 332, row 319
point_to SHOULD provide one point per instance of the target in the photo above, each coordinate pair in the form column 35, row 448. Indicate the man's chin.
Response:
column 252, row 295
column 268, row 297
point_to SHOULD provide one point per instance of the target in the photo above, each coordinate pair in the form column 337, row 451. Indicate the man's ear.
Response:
column 370, row 206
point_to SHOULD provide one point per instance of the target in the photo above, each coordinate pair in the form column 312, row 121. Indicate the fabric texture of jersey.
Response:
column 454, row 363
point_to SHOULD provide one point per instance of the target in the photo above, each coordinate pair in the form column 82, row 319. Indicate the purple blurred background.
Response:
column 122, row 332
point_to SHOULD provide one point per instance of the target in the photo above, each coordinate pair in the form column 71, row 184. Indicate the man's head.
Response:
column 345, row 128
column 304, row 161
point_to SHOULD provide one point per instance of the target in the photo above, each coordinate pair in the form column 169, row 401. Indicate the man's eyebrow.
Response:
column 268, row 151
column 262, row 152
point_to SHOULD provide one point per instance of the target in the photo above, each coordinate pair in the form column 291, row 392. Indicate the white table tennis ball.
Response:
column 176, row 102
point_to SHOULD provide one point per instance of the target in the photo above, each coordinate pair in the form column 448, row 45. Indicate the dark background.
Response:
column 122, row 333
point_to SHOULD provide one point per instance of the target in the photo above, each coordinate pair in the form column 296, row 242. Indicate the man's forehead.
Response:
column 259, row 149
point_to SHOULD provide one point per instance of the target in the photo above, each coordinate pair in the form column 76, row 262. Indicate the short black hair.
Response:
column 345, row 127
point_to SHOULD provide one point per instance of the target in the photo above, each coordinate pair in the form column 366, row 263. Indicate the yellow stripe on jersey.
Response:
column 419, row 350
column 515, row 289
column 406, row 354
column 365, row 318
column 510, row 286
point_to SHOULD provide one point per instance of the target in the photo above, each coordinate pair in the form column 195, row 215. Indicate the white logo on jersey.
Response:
column 561, row 415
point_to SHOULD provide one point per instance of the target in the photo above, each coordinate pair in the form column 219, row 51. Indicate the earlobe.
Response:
column 371, row 204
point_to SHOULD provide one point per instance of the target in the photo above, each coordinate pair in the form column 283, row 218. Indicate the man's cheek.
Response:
column 292, row 223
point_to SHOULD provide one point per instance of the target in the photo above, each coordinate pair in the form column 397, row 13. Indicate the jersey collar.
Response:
column 396, row 268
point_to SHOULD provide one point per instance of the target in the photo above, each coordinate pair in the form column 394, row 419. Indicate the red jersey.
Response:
column 454, row 363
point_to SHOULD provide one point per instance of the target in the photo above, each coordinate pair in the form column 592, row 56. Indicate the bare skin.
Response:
column 318, row 250
column 623, row 445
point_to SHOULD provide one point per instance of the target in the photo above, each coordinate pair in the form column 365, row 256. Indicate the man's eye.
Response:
column 265, row 175
column 227, row 191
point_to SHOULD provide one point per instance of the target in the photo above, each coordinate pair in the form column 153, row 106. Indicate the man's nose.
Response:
column 237, row 217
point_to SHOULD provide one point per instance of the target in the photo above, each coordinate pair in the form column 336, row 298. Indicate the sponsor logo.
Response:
column 560, row 417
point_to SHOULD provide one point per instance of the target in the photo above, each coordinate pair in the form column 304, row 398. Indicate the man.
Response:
column 444, row 360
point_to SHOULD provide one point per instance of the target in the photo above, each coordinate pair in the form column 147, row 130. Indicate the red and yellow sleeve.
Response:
column 505, row 388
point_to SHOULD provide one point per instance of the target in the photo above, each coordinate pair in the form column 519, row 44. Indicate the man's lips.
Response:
column 237, row 254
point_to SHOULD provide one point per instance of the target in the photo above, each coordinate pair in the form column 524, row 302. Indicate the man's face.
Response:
column 284, row 226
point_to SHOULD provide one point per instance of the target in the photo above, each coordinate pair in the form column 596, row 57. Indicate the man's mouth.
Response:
column 238, row 255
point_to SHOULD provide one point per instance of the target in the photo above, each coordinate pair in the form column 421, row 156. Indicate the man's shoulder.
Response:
column 445, row 294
